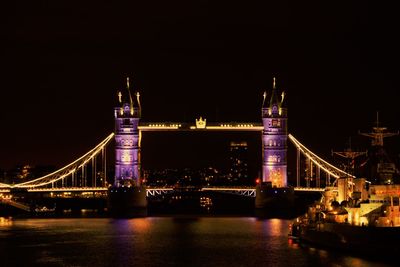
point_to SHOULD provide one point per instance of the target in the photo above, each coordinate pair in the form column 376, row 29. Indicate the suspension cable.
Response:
column 324, row 165
column 66, row 170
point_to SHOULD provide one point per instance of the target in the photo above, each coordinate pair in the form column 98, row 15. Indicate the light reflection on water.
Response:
column 275, row 227
column 160, row 241
column 5, row 221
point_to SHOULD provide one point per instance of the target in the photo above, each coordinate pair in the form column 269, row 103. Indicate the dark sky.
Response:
column 63, row 62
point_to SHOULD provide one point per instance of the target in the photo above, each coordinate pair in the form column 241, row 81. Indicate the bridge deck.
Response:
column 98, row 189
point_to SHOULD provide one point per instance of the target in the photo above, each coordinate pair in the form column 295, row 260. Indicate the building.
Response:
column 238, row 172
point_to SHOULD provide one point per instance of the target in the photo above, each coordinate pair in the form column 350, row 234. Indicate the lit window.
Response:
column 276, row 123
column 273, row 158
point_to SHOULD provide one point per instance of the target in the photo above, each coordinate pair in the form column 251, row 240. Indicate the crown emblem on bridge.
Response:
column 200, row 123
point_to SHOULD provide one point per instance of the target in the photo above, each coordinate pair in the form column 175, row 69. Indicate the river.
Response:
column 160, row 241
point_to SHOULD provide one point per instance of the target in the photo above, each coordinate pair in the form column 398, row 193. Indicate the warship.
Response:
column 358, row 214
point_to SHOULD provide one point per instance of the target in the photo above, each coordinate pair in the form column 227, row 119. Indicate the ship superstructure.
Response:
column 379, row 168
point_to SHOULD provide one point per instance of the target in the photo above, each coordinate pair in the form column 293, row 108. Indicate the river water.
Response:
column 160, row 241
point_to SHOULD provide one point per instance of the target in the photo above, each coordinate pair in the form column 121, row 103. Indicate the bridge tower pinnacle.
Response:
column 274, row 137
column 127, row 139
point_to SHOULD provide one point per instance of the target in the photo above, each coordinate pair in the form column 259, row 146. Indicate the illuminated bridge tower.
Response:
column 127, row 138
column 274, row 136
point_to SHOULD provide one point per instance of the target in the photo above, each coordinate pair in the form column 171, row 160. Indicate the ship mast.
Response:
column 378, row 133
column 350, row 155
column 382, row 169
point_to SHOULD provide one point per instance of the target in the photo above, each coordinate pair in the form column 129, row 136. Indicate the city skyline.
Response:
column 64, row 65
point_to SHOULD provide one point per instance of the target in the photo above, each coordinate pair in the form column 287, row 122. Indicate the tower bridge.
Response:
column 88, row 172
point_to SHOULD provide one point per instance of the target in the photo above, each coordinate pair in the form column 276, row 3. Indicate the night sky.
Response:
column 63, row 63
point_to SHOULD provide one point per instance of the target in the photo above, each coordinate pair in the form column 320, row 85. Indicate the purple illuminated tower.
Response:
column 127, row 138
column 274, row 136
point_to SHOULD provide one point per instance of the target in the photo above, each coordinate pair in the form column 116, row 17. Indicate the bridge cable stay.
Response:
column 324, row 165
column 66, row 170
